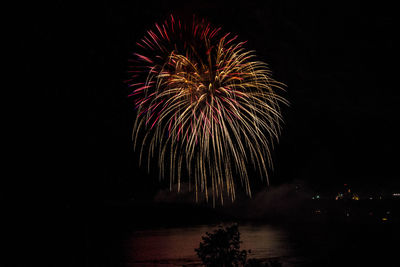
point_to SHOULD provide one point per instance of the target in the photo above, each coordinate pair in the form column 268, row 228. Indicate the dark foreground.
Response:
column 317, row 241
column 102, row 236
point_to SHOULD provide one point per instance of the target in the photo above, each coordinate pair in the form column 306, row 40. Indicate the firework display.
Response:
column 207, row 110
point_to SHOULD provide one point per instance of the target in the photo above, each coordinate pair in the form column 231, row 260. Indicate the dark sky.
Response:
column 337, row 58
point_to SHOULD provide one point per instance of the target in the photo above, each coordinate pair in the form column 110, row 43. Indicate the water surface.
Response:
column 175, row 246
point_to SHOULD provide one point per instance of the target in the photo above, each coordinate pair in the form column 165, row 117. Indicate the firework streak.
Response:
column 205, row 105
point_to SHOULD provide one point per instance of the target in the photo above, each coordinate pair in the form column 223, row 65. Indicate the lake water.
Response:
column 175, row 246
column 298, row 245
column 114, row 239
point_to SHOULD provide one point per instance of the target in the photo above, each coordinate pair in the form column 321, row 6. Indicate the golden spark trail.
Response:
column 206, row 107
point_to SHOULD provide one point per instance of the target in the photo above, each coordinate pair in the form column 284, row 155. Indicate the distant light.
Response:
column 396, row 194
column 384, row 219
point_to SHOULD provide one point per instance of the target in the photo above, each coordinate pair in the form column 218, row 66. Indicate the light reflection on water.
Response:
column 175, row 246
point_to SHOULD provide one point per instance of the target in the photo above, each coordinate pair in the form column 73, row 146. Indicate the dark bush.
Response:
column 222, row 248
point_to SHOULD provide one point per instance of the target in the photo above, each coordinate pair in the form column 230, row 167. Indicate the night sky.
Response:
column 75, row 157
column 338, row 60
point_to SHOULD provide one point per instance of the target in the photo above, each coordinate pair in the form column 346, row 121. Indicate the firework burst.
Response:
column 206, row 106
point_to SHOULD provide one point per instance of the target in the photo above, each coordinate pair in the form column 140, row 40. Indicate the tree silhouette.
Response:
column 222, row 248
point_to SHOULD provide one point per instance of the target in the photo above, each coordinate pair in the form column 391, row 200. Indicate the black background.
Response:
column 338, row 59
